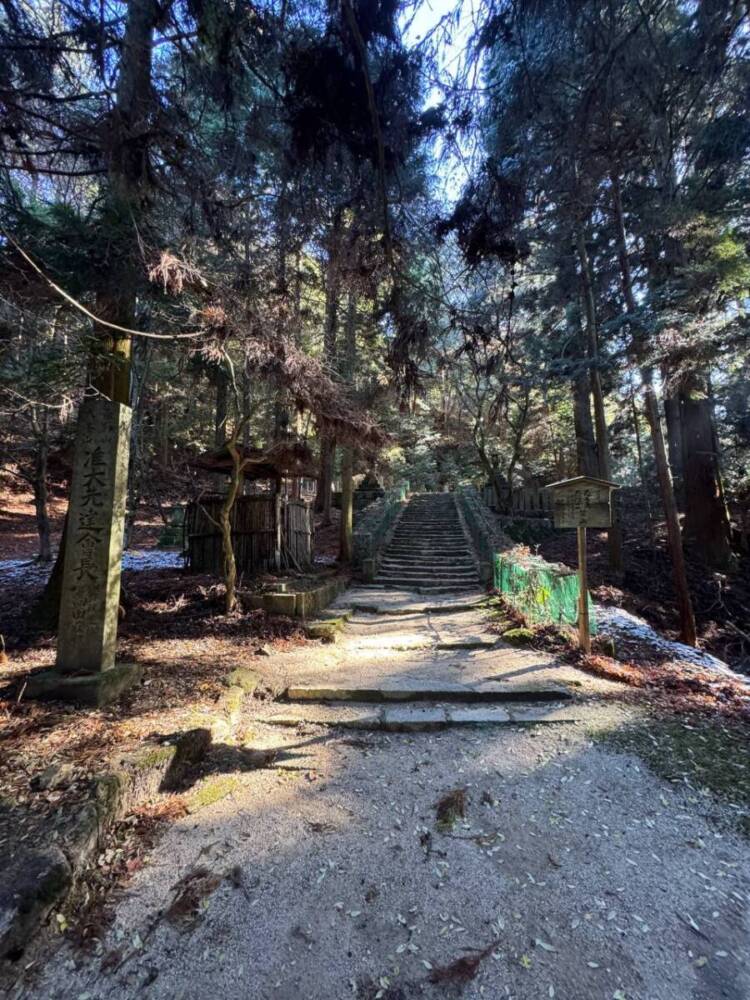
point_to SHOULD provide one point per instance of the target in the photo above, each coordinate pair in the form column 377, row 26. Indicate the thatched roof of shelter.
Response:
column 290, row 459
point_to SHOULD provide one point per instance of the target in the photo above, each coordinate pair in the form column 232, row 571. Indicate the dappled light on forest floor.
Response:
column 565, row 863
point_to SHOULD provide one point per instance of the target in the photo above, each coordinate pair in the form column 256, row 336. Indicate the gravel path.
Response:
column 326, row 874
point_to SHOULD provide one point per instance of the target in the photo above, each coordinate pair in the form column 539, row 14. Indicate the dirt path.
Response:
column 343, row 867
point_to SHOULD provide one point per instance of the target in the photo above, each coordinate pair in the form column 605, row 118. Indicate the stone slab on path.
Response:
column 415, row 718
column 380, row 601
column 425, row 690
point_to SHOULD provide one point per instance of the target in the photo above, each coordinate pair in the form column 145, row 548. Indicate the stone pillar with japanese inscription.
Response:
column 87, row 634
column 85, row 671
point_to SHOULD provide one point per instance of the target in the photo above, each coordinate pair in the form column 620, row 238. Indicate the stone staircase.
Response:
column 429, row 552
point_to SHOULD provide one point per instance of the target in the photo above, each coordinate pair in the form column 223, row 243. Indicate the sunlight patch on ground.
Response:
column 618, row 622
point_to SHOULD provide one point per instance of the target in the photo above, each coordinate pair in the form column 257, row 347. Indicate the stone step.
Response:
column 446, row 524
column 418, row 572
column 417, row 542
column 372, row 607
column 427, row 586
column 416, row 536
column 440, row 589
column 428, row 545
column 413, row 554
column 418, row 523
column 429, row 552
column 442, row 691
column 418, row 569
column 425, row 566
column 425, row 717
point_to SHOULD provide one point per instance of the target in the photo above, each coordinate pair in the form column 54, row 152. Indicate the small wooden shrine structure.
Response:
column 272, row 528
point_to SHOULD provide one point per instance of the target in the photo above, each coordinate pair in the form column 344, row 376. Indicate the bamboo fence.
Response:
column 268, row 533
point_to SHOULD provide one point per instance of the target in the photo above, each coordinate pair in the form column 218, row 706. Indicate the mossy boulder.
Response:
column 325, row 631
column 518, row 636
column 243, row 678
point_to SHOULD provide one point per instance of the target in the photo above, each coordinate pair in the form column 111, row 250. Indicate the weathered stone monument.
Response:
column 87, row 635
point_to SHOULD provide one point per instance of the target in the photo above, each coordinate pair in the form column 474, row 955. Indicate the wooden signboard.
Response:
column 582, row 502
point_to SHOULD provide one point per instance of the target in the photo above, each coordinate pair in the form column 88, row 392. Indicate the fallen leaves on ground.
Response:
column 450, row 808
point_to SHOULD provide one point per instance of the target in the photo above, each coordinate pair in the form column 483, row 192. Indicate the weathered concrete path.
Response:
column 573, row 873
column 436, row 658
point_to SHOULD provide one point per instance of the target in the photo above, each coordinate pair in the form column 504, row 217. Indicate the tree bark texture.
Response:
column 706, row 518
column 614, row 534
column 327, row 444
column 666, row 489
column 674, row 536
column 673, row 422
column 348, row 361
column 40, row 426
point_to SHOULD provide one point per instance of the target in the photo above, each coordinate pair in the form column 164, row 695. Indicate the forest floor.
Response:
column 172, row 623
column 596, row 858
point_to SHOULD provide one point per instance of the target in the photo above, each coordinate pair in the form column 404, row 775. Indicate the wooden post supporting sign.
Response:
column 582, row 502
column 584, row 628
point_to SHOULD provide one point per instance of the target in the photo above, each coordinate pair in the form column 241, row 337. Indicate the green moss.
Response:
column 232, row 700
column 327, row 631
column 109, row 788
column 152, row 757
column 212, row 790
column 243, row 678
column 701, row 755
column 518, row 636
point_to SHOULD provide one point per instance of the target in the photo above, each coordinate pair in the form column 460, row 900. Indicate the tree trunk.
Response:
column 220, row 412
column 587, row 462
column 142, row 362
column 674, row 536
column 327, row 444
column 673, row 421
column 706, row 519
column 584, row 428
column 347, row 455
column 642, row 468
column 666, row 489
column 614, row 534
column 46, row 610
column 128, row 140
column 41, row 496
column 347, row 504
column 164, row 434
column 225, row 526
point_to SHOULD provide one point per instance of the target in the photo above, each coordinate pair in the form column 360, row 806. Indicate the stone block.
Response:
column 478, row 716
column 30, row 885
column 414, row 719
column 325, row 631
column 89, row 605
column 95, row 689
column 241, row 677
column 36, row 880
column 280, row 604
